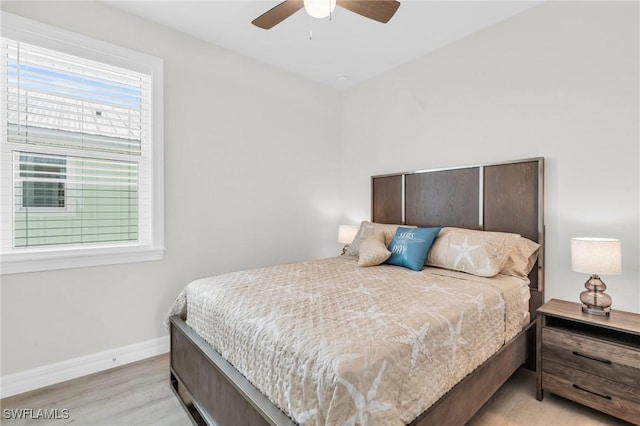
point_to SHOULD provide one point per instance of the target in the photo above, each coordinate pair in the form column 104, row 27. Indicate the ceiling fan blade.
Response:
column 278, row 14
column 378, row 10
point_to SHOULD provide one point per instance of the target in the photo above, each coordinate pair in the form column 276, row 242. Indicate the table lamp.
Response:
column 596, row 256
column 346, row 234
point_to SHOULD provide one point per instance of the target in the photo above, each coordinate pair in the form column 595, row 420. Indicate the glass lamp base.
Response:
column 594, row 310
column 595, row 300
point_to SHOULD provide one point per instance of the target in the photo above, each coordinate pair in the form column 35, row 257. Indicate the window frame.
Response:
column 21, row 260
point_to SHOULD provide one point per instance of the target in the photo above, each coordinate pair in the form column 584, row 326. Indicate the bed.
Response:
column 390, row 329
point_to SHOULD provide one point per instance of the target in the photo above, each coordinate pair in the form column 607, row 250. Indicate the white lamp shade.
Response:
column 346, row 233
column 599, row 256
column 319, row 8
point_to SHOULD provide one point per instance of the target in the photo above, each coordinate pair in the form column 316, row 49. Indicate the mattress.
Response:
column 329, row 342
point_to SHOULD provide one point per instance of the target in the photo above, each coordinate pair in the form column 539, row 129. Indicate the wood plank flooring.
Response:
column 139, row 394
column 134, row 394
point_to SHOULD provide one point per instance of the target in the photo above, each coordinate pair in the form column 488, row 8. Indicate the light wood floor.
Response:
column 139, row 394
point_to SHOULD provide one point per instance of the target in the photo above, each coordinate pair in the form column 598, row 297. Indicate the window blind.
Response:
column 78, row 132
column 74, row 200
column 60, row 100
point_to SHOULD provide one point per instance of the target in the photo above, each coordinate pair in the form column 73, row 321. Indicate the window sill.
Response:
column 35, row 261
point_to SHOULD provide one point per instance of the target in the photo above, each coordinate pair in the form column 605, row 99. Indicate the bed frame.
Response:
column 505, row 197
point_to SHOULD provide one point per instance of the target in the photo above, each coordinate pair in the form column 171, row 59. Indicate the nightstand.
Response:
column 592, row 360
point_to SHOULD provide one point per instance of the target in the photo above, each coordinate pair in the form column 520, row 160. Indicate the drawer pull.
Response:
column 604, row 361
column 592, row 392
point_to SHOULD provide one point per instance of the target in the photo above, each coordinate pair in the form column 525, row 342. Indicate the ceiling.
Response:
column 342, row 52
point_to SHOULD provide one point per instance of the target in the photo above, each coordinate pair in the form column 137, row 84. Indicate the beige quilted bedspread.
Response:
column 334, row 344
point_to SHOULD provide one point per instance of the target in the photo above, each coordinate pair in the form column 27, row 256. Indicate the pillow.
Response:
column 364, row 232
column 480, row 253
column 373, row 250
column 410, row 246
column 367, row 229
column 521, row 259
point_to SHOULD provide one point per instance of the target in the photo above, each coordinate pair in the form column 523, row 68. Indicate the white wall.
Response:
column 251, row 179
column 559, row 81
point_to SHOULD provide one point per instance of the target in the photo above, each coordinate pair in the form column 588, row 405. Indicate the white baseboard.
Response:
column 36, row 378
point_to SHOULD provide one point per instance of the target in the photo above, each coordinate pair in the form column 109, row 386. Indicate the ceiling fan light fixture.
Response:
column 319, row 8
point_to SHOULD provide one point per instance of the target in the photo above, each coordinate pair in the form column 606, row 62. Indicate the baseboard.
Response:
column 36, row 378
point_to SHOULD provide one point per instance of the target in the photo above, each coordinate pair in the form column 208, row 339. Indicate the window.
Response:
column 81, row 151
column 41, row 183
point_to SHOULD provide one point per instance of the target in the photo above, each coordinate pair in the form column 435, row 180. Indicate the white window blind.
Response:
column 55, row 99
column 73, row 200
column 77, row 150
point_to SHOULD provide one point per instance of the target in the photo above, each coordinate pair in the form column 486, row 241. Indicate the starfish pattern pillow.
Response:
column 480, row 253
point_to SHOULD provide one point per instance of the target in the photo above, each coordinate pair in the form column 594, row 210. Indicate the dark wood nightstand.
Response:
column 592, row 360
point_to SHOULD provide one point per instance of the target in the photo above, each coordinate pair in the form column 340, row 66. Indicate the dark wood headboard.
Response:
column 505, row 197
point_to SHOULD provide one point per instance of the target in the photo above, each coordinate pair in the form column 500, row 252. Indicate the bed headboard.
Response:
column 506, row 197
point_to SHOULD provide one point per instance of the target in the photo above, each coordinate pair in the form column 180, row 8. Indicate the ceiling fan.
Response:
column 378, row 10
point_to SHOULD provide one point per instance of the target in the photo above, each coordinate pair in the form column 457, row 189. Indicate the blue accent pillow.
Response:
column 410, row 246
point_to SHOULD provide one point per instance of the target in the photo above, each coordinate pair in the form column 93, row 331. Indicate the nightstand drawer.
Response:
column 594, row 391
column 601, row 358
